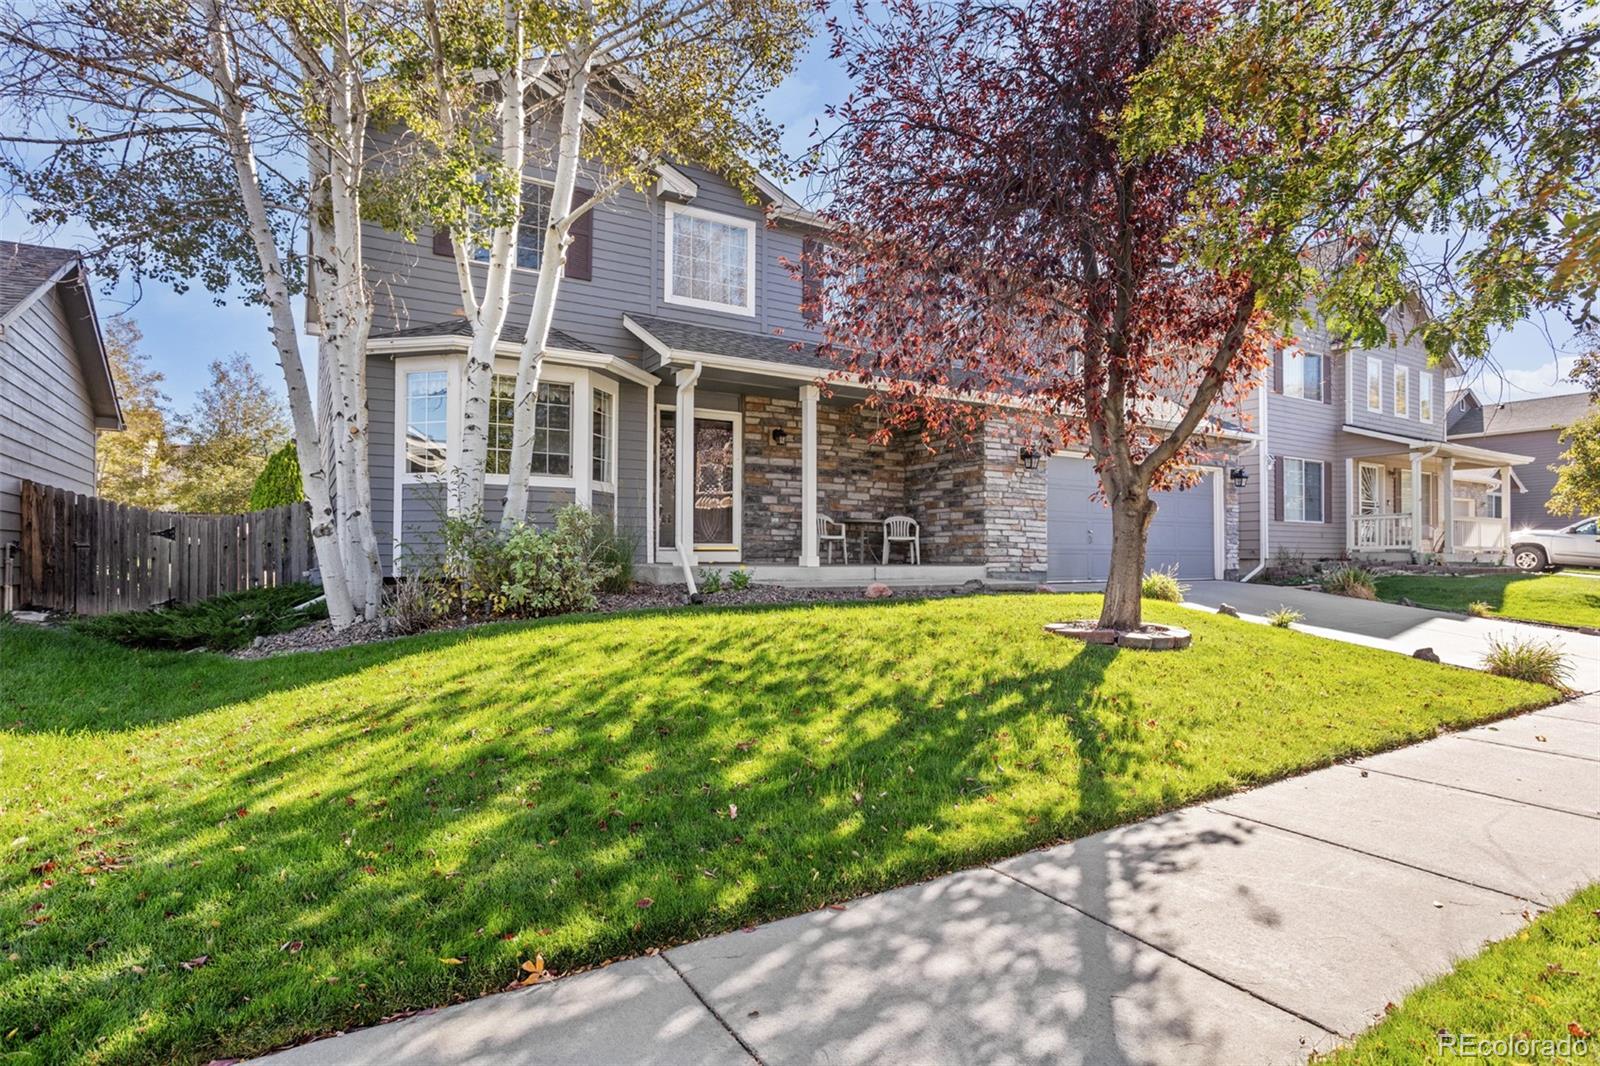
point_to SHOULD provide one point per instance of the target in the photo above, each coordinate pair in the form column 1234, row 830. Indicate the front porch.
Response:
column 1438, row 500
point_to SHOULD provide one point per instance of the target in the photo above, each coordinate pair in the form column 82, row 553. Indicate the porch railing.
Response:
column 1480, row 534
column 1383, row 532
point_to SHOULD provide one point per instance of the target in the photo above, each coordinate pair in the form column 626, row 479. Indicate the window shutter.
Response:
column 1327, row 379
column 580, row 252
column 1277, row 488
column 1327, row 493
column 441, row 241
column 810, row 284
column 1277, row 371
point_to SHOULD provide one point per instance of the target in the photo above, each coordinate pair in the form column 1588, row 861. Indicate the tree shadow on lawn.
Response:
column 528, row 799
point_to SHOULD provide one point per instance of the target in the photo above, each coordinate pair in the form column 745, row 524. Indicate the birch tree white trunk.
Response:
column 275, row 287
column 557, row 236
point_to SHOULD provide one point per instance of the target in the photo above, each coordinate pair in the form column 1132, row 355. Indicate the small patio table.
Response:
column 862, row 527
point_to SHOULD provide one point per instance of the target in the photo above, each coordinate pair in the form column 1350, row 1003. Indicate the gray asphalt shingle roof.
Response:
column 25, row 267
column 766, row 348
column 1522, row 416
column 460, row 327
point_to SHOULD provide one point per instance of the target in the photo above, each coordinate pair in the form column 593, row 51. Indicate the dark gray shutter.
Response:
column 1277, row 371
column 441, row 241
column 580, row 253
column 1327, row 493
column 1277, row 488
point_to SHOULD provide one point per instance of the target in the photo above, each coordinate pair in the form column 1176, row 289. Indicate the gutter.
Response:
column 686, row 384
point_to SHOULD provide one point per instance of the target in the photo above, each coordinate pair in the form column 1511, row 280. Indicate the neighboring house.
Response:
column 1355, row 461
column 56, row 390
column 680, row 318
column 1531, row 427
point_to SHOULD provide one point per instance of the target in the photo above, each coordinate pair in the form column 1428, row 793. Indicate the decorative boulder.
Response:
column 1228, row 609
column 1426, row 654
column 879, row 591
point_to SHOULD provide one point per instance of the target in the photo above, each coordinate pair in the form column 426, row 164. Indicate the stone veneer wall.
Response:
column 1014, row 530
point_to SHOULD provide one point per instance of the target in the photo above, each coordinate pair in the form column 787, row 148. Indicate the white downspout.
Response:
column 1262, row 504
column 685, row 516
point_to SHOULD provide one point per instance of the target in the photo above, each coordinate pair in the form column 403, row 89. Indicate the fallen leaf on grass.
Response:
column 196, row 962
column 452, row 961
column 1578, row 1031
column 535, row 971
column 644, row 903
column 292, row 946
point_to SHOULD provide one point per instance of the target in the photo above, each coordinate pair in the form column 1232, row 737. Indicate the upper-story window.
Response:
column 1425, row 397
column 711, row 260
column 1402, row 393
column 1374, row 383
column 427, row 421
column 1302, row 374
column 530, row 232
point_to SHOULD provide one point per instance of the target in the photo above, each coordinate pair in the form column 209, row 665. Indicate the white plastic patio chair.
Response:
column 830, row 532
column 902, row 529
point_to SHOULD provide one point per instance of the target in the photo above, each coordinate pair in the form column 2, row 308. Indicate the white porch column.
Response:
column 1417, row 533
column 1448, row 511
column 683, row 477
column 808, row 475
column 1351, row 500
column 1505, row 510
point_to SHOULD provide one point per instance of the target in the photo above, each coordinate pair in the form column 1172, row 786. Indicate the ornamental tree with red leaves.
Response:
column 998, row 255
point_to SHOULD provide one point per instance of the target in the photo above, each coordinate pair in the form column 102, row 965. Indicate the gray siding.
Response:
column 1406, row 352
column 1528, row 508
column 1301, row 429
column 46, row 425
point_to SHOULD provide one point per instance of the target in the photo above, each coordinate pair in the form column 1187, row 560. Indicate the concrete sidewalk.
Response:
column 1457, row 639
column 1254, row 929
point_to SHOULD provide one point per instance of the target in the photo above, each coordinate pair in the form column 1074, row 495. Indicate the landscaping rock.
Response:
column 879, row 591
column 973, row 585
column 1426, row 655
column 1228, row 609
column 1085, row 631
column 1405, row 601
column 1042, row 587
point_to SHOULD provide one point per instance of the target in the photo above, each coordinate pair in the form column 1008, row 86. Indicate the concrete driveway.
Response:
column 1257, row 928
column 1457, row 639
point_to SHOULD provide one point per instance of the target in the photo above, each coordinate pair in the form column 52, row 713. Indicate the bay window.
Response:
column 552, row 427
column 603, row 429
column 427, row 426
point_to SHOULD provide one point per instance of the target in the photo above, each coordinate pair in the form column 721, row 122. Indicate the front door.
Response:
column 716, row 483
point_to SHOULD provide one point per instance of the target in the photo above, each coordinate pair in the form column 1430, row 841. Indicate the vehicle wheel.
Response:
column 1529, row 557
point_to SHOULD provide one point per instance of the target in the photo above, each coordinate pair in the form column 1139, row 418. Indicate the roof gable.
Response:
column 28, row 273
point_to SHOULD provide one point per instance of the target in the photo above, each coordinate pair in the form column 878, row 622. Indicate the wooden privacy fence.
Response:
column 90, row 556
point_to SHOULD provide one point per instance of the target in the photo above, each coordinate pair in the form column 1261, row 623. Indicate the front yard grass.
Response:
column 1543, row 984
column 209, row 857
column 1557, row 599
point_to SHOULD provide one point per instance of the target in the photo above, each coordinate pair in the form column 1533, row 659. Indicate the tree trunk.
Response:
column 1131, row 512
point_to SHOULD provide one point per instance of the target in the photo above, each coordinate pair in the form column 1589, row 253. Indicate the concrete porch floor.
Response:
column 897, row 576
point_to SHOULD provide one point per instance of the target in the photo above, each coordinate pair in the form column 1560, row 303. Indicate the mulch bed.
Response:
column 321, row 636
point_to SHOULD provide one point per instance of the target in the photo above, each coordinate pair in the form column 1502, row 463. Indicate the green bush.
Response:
column 1350, row 581
column 739, row 580
column 1528, row 660
column 711, row 582
column 279, row 481
column 1163, row 585
column 613, row 551
column 221, row 623
column 554, row 571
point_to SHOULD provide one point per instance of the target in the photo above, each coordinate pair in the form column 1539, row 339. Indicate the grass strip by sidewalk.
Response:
column 1554, row 599
column 1543, row 984
column 209, row 857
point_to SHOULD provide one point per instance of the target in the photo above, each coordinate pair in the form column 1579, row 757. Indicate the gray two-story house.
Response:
column 679, row 319
column 1531, row 427
column 1355, row 460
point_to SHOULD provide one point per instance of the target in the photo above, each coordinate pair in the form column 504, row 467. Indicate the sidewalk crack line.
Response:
column 748, row 1050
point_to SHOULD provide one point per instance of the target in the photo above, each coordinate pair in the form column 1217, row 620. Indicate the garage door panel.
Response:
column 1182, row 535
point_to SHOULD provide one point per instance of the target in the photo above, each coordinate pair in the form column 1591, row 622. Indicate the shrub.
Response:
column 466, row 569
column 1479, row 609
column 1163, row 585
column 412, row 605
column 1527, row 659
column 1350, row 581
column 279, row 481
column 555, row 571
column 614, row 551
column 739, row 579
column 221, row 623
column 710, row 582
column 1284, row 617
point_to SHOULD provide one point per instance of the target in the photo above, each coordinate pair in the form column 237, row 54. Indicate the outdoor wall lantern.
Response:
column 1029, row 457
column 1239, row 475
column 780, row 436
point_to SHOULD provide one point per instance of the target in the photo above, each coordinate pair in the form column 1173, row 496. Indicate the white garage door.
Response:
column 1184, row 533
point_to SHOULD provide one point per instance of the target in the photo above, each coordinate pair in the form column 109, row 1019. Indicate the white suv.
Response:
column 1576, row 545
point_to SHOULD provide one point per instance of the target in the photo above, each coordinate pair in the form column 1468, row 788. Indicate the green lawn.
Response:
column 1537, row 984
column 329, row 833
column 1559, row 599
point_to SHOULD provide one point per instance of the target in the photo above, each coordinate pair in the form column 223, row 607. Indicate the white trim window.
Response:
column 1302, row 374
column 529, row 251
column 1374, row 384
column 1402, row 393
column 1302, row 490
column 711, row 260
column 427, row 425
column 603, row 438
column 1425, row 396
column 552, row 429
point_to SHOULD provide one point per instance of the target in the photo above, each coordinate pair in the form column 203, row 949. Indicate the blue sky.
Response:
column 185, row 332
